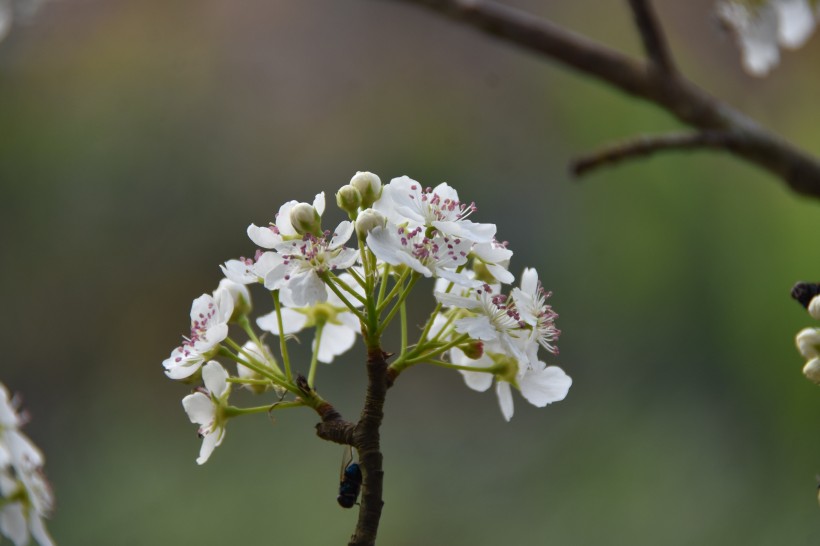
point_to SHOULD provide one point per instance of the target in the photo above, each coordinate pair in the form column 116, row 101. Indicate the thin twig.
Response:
column 649, row 144
column 653, row 40
column 677, row 95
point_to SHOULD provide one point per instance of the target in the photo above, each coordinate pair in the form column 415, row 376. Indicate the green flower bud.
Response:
column 349, row 199
column 305, row 219
column 369, row 186
column 367, row 220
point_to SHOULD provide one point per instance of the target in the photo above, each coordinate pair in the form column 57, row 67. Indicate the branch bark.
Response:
column 672, row 92
column 647, row 145
column 653, row 40
column 367, row 440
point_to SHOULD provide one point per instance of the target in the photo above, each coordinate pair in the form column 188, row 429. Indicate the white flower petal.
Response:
column 344, row 259
column 492, row 253
column 200, row 408
column 336, row 340
column 341, row 235
column 38, row 531
column 307, row 289
column 756, row 29
column 215, row 378
column 478, row 327
column 545, row 385
column 319, row 203
column 283, row 219
column 477, row 233
column 500, row 273
column 292, row 321
column 239, row 272
column 264, row 236
column 13, row 523
column 796, row 22
column 209, row 443
column 505, row 401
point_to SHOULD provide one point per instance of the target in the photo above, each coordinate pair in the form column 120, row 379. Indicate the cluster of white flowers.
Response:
column 25, row 496
column 763, row 26
column 355, row 280
column 808, row 342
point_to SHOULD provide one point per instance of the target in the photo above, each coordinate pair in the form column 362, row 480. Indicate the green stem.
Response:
column 339, row 282
column 249, row 362
column 492, row 369
column 345, row 301
column 359, row 279
column 283, row 346
column 233, row 411
column 383, row 284
column 399, row 302
column 315, row 358
column 438, row 350
column 403, row 328
column 393, row 291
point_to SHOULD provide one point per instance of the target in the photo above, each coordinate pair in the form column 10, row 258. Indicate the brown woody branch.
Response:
column 647, row 145
column 672, row 92
column 653, row 41
column 367, row 440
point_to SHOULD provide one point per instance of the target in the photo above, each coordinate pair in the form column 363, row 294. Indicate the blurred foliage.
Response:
column 141, row 138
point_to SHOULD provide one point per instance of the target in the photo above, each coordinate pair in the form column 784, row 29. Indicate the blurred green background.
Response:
column 140, row 138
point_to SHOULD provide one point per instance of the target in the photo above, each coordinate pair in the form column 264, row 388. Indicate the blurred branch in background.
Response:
column 655, row 81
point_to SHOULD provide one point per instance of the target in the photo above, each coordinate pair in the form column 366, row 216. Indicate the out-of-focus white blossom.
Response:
column 762, row 27
column 25, row 495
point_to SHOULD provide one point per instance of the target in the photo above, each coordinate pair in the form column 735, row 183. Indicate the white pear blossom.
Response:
column 339, row 324
column 404, row 200
column 250, row 270
column 302, row 261
column 495, row 257
column 531, row 302
column 491, row 318
column 439, row 255
column 538, row 383
column 25, row 495
column 206, row 408
column 282, row 229
column 209, row 327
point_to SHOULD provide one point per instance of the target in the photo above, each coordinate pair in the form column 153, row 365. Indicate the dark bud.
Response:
column 803, row 292
column 302, row 383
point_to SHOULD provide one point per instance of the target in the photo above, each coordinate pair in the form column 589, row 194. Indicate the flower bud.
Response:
column 260, row 357
column 472, row 349
column 812, row 370
column 808, row 342
column 305, row 219
column 369, row 186
column 367, row 220
column 239, row 294
column 814, row 307
column 349, row 199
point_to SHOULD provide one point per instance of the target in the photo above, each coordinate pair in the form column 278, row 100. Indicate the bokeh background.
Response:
column 140, row 138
